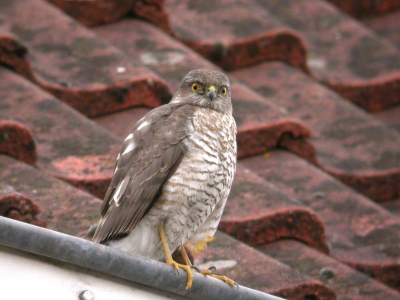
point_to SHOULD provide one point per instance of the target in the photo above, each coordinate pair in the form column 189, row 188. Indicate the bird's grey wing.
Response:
column 149, row 155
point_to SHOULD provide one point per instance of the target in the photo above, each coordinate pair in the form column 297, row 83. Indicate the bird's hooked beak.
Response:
column 211, row 92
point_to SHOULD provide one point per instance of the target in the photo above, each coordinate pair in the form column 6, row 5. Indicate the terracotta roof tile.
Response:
column 387, row 26
column 350, row 144
column 92, row 13
column 62, row 207
column 359, row 8
column 346, row 282
column 72, row 63
column 393, row 206
column 68, row 145
column 390, row 117
column 18, row 207
column 359, row 232
column 253, row 35
column 251, row 268
column 17, row 140
column 343, row 54
column 257, row 212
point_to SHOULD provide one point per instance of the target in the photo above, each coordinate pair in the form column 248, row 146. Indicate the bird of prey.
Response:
column 173, row 175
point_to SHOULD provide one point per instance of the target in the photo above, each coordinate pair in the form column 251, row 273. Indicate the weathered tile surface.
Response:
column 92, row 13
column 349, row 143
column 16, row 140
column 359, row 8
column 251, row 268
column 359, row 232
column 68, row 145
column 386, row 26
column 62, row 207
column 18, row 207
column 393, row 206
column 232, row 34
column 72, row 63
column 342, row 53
column 346, row 282
column 257, row 212
column 390, row 116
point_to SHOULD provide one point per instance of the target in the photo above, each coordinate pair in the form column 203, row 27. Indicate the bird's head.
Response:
column 205, row 88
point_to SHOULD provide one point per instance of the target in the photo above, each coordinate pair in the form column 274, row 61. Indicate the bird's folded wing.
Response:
column 149, row 156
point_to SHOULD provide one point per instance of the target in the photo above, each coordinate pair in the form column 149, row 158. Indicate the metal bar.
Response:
column 79, row 252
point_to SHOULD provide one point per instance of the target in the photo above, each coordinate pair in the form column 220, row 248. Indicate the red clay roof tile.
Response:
column 18, row 207
column 92, row 13
column 232, row 34
column 346, row 282
column 17, row 140
column 387, row 26
column 257, row 212
column 68, row 145
column 63, row 207
column 350, row 144
column 359, row 8
column 359, row 232
column 393, row 206
column 390, row 117
column 251, row 268
column 343, row 54
column 75, row 65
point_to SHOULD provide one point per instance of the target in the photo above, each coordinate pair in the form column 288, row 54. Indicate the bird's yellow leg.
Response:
column 173, row 263
column 185, row 256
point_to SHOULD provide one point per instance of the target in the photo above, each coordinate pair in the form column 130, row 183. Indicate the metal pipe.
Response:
column 83, row 253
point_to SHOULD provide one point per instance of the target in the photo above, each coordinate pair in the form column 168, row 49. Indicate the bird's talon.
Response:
column 195, row 268
column 212, row 269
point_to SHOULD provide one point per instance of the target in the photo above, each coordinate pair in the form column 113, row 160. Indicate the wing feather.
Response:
column 149, row 156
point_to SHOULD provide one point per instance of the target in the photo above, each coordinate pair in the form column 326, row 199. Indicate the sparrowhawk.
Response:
column 173, row 174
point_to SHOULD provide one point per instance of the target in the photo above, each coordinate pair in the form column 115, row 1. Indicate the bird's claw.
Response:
column 195, row 268
column 209, row 272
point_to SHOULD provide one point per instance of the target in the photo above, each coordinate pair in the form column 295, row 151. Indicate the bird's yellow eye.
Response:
column 223, row 90
column 195, row 87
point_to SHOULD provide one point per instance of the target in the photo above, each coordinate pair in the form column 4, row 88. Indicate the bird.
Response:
column 173, row 175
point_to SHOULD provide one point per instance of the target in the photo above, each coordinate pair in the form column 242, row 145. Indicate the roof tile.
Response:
column 18, row 207
column 387, row 26
column 343, row 54
column 393, row 206
column 253, row 35
column 350, row 144
column 251, row 268
column 92, row 13
column 63, row 207
column 257, row 212
column 358, row 8
column 346, row 282
column 17, row 140
column 68, row 145
column 359, row 232
column 72, row 63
